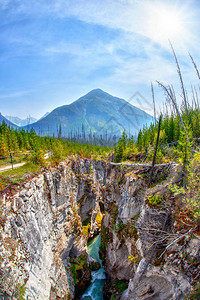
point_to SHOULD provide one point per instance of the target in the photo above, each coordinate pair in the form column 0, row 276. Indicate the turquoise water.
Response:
column 95, row 290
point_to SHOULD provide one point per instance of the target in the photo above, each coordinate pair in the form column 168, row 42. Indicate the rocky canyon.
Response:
column 46, row 223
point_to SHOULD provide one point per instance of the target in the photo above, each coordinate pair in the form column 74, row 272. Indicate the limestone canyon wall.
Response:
column 44, row 232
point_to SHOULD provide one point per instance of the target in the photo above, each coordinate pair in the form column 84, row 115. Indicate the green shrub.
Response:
column 190, row 193
column 118, row 227
column 78, row 263
column 154, row 199
column 120, row 285
column 37, row 157
column 58, row 151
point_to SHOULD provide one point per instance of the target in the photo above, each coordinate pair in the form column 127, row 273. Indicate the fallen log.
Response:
column 143, row 165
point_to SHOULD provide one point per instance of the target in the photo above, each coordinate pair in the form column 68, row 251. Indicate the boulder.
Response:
column 94, row 264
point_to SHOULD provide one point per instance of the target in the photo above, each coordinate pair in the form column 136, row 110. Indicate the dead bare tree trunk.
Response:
column 195, row 66
column 155, row 152
column 180, row 77
column 154, row 106
column 171, row 96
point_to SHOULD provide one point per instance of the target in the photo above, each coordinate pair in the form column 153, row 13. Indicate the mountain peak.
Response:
column 98, row 113
column 96, row 91
column 94, row 94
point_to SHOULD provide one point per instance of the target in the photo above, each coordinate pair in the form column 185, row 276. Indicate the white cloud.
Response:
column 135, row 56
column 133, row 16
column 137, row 17
column 129, row 15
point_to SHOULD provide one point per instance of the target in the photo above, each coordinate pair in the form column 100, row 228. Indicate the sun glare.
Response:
column 165, row 23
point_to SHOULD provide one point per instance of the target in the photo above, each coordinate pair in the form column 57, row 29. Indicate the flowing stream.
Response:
column 95, row 290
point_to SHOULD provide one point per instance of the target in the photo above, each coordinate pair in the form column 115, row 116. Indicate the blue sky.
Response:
column 55, row 51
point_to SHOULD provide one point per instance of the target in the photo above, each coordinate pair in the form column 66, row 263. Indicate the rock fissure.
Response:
column 45, row 226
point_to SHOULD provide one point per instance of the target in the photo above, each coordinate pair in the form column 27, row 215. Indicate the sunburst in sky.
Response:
column 166, row 22
column 54, row 51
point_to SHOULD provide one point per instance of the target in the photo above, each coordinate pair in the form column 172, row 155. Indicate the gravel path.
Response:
column 9, row 167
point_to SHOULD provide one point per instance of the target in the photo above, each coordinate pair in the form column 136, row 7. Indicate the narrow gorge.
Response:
column 46, row 223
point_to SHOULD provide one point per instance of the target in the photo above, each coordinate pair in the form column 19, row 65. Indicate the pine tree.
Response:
column 123, row 139
column 185, row 144
column 176, row 128
column 13, row 141
column 171, row 129
column 3, row 146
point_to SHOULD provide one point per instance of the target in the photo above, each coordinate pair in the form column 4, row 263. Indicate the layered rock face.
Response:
column 141, row 244
column 45, row 226
column 43, row 246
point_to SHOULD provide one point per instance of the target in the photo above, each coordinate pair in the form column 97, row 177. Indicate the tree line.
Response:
column 82, row 135
column 15, row 141
column 179, row 127
column 21, row 141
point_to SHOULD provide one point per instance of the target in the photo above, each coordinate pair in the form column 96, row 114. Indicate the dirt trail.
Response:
column 9, row 167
